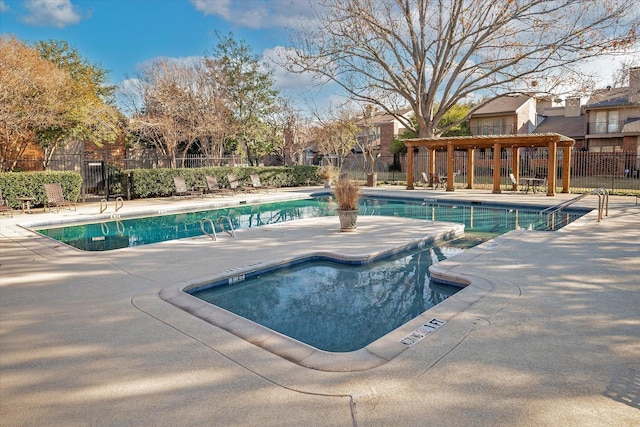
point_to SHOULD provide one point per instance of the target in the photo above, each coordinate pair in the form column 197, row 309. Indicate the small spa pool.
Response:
column 333, row 306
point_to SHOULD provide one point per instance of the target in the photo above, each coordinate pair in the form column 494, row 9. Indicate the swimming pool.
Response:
column 333, row 306
column 482, row 221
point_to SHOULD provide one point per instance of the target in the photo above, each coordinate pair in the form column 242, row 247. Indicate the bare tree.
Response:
column 432, row 54
column 289, row 130
column 212, row 111
column 175, row 105
column 336, row 132
column 180, row 105
column 620, row 76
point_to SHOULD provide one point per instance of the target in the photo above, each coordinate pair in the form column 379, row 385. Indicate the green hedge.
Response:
column 147, row 183
column 30, row 184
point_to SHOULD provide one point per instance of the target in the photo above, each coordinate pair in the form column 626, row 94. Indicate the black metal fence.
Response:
column 619, row 172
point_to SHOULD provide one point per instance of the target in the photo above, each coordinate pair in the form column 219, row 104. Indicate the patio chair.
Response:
column 182, row 190
column 257, row 185
column 4, row 207
column 235, row 186
column 213, row 187
column 514, row 182
column 55, row 198
column 425, row 179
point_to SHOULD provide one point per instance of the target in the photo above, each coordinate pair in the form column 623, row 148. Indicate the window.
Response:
column 484, row 127
column 613, row 122
column 601, row 122
column 496, row 127
column 607, row 145
column 606, row 122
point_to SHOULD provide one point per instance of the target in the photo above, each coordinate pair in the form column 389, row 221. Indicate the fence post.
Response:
column 83, row 174
column 128, row 185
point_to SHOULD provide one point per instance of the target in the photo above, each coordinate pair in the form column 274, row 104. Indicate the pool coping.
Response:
column 531, row 362
column 373, row 355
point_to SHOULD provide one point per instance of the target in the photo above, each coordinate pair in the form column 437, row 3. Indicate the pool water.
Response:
column 481, row 222
column 334, row 306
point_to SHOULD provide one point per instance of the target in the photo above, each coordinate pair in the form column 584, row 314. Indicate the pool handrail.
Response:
column 603, row 204
column 213, row 228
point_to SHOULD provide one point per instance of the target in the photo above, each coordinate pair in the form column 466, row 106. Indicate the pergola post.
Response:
column 470, row 163
column 551, row 169
column 497, row 148
column 566, row 169
column 409, row 167
column 450, row 166
column 432, row 160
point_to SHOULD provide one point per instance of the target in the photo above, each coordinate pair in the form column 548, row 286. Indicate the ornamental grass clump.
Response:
column 347, row 194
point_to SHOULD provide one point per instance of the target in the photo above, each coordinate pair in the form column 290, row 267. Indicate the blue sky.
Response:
column 120, row 34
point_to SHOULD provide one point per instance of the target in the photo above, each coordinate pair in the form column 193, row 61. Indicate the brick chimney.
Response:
column 634, row 85
column 572, row 107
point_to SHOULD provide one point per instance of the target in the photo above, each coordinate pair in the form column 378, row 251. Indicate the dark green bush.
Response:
column 30, row 184
column 146, row 183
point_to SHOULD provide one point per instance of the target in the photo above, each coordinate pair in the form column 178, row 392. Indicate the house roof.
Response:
column 631, row 125
column 502, row 105
column 381, row 117
column 569, row 126
column 609, row 97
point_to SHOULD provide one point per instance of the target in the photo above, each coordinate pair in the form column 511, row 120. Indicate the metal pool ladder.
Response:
column 551, row 212
column 104, row 204
column 213, row 234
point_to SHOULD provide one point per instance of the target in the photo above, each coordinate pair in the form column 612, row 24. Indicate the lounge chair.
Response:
column 213, row 187
column 235, row 186
column 55, row 198
column 257, row 185
column 182, row 190
column 4, row 207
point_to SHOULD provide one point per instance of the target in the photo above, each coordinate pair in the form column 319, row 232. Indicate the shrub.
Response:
column 145, row 183
column 31, row 184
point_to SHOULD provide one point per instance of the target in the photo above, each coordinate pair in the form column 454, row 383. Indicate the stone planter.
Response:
column 327, row 183
column 348, row 219
column 372, row 179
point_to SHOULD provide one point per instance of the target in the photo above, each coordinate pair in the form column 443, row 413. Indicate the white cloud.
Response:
column 285, row 80
column 258, row 14
column 605, row 67
column 51, row 13
column 3, row 7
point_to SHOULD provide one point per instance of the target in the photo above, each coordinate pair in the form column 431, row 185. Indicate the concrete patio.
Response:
column 553, row 339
